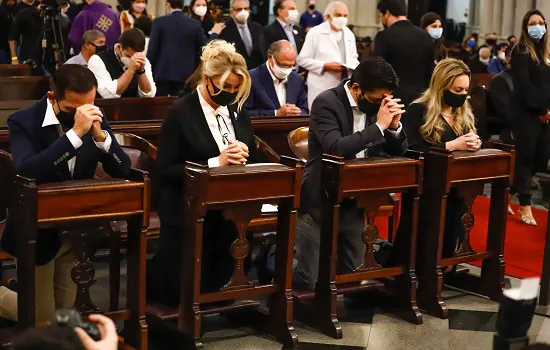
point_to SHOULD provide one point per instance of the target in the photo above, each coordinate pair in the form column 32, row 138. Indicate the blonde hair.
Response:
column 219, row 58
column 443, row 77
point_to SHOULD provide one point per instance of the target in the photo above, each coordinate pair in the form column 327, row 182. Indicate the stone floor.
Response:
column 366, row 325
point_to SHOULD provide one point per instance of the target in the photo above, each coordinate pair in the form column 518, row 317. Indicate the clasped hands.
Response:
column 88, row 119
column 235, row 153
column 390, row 113
column 137, row 62
column 467, row 142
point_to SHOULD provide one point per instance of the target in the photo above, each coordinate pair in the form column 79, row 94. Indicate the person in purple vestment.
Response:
column 95, row 15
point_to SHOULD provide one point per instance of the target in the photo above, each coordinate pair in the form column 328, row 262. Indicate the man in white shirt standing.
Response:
column 276, row 88
column 330, row 52
column 124, row 71
column 93, row 43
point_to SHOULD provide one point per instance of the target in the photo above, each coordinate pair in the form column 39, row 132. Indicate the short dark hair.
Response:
column 48, row 338
column 132, row 38
column 375, row 73
column 429, row 18
column 176, row 4
column 278, row 6
column 502, row 45
column 72, row 77
column 144, row 23
column 511, row 36
column 395, row 7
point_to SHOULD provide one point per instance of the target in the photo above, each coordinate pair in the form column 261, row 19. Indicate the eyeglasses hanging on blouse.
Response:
column 225, row 135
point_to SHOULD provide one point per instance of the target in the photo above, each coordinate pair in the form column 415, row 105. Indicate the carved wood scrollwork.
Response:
column 469, row 193
column 240, row 248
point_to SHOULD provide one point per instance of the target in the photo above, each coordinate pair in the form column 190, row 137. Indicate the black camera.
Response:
column 71, row 318
column 50, row 8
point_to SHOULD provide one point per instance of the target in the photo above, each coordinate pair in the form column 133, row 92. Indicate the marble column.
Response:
column 522, row 6
column 508, row 17
column 486, row 23
column 496, row 22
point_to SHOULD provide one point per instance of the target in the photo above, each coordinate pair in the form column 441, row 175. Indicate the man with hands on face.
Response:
column 356, row 119
column 62, row 137
column 124, row 71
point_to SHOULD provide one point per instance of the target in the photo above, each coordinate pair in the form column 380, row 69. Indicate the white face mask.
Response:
column 123, row 59
column 484, row 60
column 200, row 10
column 502, row 55
column 292, row 16
column 339, row 22
column 139, row 7
column 279, row 72
column 243, row 15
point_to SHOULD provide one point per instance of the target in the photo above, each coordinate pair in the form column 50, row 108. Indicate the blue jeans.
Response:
column 351, row 248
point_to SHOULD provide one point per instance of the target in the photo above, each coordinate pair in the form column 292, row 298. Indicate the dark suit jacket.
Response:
column 409, row 50
column 231, row 34
column 263, row 99
column 175, row 47
column 476, row 67
column 185, row 136
column 39, row 153
column 275, row 32
column 331, row 131
column 502, row 94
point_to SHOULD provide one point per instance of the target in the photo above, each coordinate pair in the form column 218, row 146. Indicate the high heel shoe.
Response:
column 526, row 216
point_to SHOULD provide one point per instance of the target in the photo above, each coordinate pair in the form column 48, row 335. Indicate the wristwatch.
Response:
column 140, row 72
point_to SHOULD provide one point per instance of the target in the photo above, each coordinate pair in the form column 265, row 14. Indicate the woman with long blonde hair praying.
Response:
column 442, row 117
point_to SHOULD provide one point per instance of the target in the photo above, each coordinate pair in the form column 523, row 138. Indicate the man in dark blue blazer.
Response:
column 62, row 137
column 174, row 48
column 276, row 88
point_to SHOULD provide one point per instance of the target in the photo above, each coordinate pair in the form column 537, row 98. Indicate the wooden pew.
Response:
column 467, row 173
column 246, row 188
column 80, row 206
column 370, row 181
column 14, row 70
column 23, row 88
column 480, row 80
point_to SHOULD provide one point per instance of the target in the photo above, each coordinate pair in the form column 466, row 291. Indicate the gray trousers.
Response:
column 351, row 247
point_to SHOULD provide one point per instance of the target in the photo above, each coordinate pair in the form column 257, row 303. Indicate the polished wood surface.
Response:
column 467, row 173
column 274, row 131
column 78, row 207
column 369, row 181
column 480, row 80
column 23, row 88
column 14, row 70
column 239, row 191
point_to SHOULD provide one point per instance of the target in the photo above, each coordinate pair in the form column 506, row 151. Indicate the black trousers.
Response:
column 170, row 88
column 164, row 270
column 532, row 153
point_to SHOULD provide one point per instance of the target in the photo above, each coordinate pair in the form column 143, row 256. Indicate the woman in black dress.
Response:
column 442, row 118
column 531, row 102
column 208, row 126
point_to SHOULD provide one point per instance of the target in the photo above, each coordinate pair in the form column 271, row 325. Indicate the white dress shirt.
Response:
column 360, row 120
column 107, row 87
column 51, row 119
column 225, row 124
column 280, row 87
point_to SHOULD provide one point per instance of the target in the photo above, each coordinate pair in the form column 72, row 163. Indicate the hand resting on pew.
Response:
column 467, row 142
column 236, row 153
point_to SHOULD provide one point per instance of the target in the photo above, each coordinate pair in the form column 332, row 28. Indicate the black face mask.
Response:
column 66, row 119
column 221, row 97
column 454, row 100
column 491, row 42
column 369, row 108
column 311, row 7
column 99, row 48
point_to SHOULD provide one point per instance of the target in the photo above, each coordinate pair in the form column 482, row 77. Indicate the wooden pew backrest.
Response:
column 23, row 88
column 15, row 70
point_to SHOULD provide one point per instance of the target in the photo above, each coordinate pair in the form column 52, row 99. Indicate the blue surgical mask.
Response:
column 471, row 44
column 435, row 33
column 536, row 32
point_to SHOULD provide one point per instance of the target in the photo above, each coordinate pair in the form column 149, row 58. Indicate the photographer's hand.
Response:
column 109, row 336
